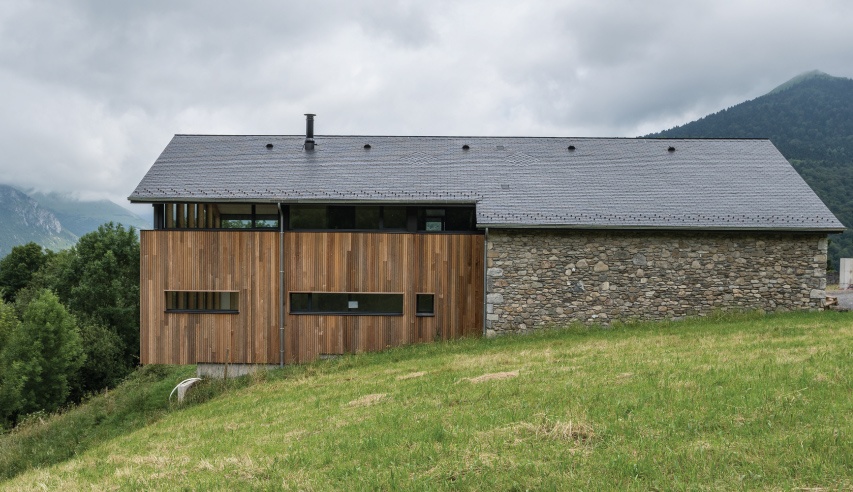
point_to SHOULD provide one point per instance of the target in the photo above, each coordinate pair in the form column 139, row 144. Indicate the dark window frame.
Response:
column 349, row 312
column 162, row 219
column 193, row 297
column 423, row 313
column 416, row 218
column 450, row 217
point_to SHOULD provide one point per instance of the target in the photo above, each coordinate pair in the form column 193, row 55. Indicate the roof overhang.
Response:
column 828, row 230
column 307, row 201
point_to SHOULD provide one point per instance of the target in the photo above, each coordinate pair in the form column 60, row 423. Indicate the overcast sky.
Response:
column 92, row 91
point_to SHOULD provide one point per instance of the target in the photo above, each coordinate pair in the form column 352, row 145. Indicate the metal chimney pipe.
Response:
column 309, row 131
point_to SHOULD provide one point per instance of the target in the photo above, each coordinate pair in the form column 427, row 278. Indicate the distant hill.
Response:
column 23, row 220
column 82, row 217
column 810, row 119
column 52, row 220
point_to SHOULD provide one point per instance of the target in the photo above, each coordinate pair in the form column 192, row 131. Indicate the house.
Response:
column 282, row 249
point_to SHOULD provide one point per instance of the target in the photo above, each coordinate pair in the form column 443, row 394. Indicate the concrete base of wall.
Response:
column 209, row 370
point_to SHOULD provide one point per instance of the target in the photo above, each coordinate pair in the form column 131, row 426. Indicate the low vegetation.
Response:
column 738, row 403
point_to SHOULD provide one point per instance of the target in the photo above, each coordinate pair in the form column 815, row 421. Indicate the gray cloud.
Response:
column 93, row 90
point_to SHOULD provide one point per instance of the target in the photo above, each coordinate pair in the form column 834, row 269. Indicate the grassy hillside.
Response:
column 810, row 119
column 751, row 402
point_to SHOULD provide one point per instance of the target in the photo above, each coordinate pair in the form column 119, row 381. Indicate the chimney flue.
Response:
column 309, row 131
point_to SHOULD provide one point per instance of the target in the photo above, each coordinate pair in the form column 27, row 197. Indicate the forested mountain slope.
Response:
column 53, row 220
column 810, row 119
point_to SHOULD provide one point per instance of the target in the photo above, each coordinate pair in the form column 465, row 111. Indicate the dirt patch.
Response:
column 410, row 376
column 367, row 400
column 492, row 377
column 578, row 432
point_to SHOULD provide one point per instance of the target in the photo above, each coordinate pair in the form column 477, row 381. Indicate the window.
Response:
column 346, row 217
column 216, row 216
column 450, row 219
column 434, row 219
column 425, row 304
column 394, row 218
column 367, row 217
column 202, row 302
column 346, row 303
column 234, row 216
column 266, row 216
column 308, row 217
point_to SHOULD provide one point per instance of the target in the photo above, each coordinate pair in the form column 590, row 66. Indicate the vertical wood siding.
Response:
column 244, row 261
column 450, row 266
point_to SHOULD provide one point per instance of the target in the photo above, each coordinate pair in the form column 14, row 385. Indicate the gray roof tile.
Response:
column 515, row 181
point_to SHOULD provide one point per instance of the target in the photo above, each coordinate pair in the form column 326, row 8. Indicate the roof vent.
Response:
column 671, row 149
column 309, row 131
column 500, row 147
column 504, row 187
column 465, row 147
column 571, row 147
column 366, row 146
column 269, row 145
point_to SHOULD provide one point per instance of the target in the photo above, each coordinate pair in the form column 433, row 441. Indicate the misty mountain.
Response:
column 52, row 220
column 81, row 217
column 23, row 220
column 810, row 120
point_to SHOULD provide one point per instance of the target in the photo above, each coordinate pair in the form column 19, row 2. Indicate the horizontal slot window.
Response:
column 346, row 303
column 202, row 302
column 447, row 219
column 346, row 217
column 216, row 216
column 382, row 218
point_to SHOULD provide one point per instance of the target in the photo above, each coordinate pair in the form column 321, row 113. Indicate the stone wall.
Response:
column 539, row 278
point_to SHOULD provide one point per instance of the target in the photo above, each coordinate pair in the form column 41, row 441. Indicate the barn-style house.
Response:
column 283, row 249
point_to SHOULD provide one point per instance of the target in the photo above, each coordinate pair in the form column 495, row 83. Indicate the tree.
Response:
column 56, row 274
column 18, row 267
column 104, row 366
column 40, row 359
column 103, row 283
column 9, row 389
column 8, row 323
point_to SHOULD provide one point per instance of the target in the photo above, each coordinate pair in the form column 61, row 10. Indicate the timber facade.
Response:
column 446, row 267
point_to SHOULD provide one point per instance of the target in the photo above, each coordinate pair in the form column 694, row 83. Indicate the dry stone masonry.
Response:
column 546, row 278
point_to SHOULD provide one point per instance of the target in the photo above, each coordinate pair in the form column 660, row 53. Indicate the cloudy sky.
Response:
column 92, row 91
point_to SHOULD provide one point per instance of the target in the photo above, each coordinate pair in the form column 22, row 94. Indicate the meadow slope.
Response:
column 749, row 402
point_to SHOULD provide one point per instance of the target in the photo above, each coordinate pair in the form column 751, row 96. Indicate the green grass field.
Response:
column 748, row 402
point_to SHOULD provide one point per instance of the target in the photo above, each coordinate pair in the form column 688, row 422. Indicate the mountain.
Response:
column 810, row 120
column 82, row 217
column 53, row 220
column 23, row 220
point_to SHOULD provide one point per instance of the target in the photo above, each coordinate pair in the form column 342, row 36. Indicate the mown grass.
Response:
column 741, row 403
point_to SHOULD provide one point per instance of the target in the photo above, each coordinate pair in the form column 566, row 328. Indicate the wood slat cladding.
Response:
column 210, row 261
column 450, row 266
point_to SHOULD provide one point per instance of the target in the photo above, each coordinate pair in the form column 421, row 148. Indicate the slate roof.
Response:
column 514, row 181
